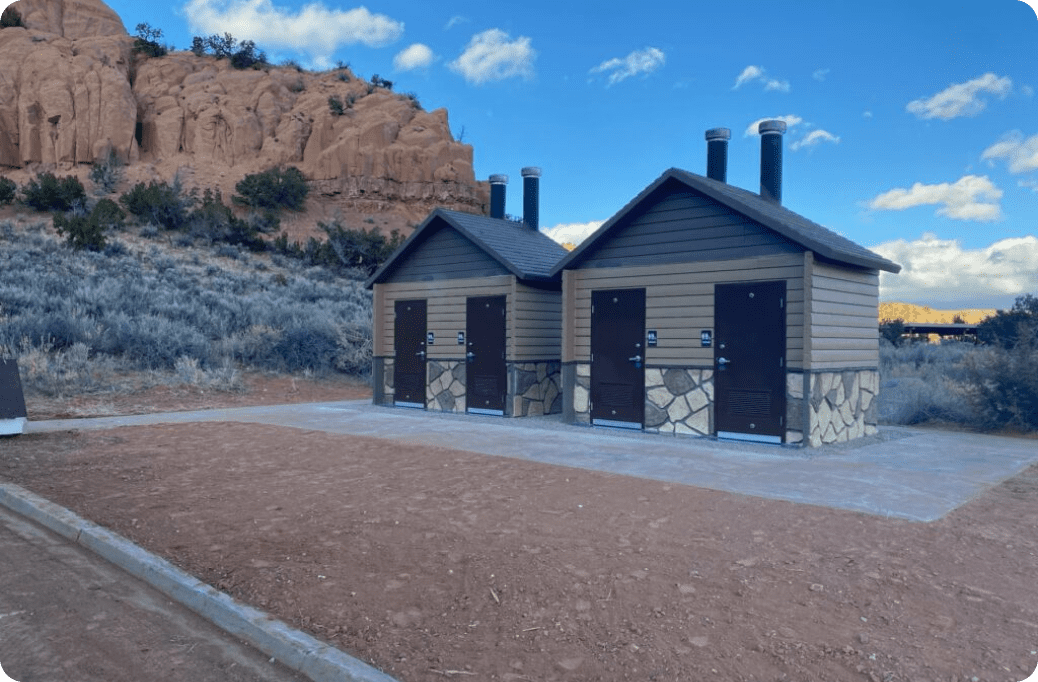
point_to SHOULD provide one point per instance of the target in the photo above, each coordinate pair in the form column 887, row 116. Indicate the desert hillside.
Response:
column 894, row 310
column 73, row 91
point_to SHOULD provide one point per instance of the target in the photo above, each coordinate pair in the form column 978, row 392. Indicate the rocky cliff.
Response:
column 72, row 90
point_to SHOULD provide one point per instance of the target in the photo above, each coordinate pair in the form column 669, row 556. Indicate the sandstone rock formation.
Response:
column 72, row 90
column 65, row 94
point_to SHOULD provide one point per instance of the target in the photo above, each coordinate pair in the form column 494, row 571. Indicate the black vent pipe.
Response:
column 717, row 153
column 531, row 196
column 771, row 159
column 498, row 184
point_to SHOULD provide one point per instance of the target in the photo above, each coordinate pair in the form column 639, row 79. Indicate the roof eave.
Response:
column 403, row 249
column 577, row 253
column 808, row 243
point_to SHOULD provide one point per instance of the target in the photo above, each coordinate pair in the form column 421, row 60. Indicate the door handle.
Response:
column 721, row 362
column 470, row 356
column 636, row 358
column 420, row 353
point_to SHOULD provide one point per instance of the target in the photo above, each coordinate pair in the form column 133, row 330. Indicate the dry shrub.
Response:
column 1005, row 386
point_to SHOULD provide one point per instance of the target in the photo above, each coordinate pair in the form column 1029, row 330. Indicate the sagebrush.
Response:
column 165, row 311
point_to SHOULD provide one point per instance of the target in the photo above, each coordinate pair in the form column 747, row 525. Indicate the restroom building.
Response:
column 705, row 309
column 467, row 313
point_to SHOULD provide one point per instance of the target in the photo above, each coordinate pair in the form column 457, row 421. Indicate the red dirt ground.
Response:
column 432, row 563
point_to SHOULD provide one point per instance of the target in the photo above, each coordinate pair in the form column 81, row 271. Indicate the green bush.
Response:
column 892, row 331
column 248, row 57
column 380, row 82
column 219, row 46
column 1007, row 328
column 46, row 192
column 88, row 231
column 273, row 189
column 413, row 96
column 335, row 105
column 7, row 190
column 216, row 221
column 1005, row 383
column 106, row 175
column 147, row 41
column 345, row 249
column 11, row 19
column 160, row 203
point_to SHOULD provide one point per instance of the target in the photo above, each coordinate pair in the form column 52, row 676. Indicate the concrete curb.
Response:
column 295, row 649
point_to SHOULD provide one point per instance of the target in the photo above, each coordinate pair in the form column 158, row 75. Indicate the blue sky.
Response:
column 913, row 125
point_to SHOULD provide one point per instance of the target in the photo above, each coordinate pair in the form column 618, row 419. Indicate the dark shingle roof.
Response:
column 790, row 225
column 527, row 254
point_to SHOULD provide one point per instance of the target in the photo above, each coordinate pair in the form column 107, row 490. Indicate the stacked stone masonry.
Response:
column 445, row 390
column 843, row 406
column 679, row 401
column 387, row 381
column 535, row 388
column 582, row 395
column 794, row 407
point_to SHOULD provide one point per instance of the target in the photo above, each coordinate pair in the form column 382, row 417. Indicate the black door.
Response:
column 618, row 357
column 750, row 360
column 409, row 342
column 485, row 376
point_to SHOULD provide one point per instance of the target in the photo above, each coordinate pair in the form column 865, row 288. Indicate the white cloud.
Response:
column 866, row 114
column 313, row 28
column 492, row 55
column 790, row 120
column 454, row 21
column 640, row 61
column 935, row 270
column 572, row 233
column 971, row 197
column 416, row 56
column 1030, row 184
column 1027, row 90
column 961, row 99
column 820, row 74
column 813, row 138
column 750, row 73
column 756, row 73
column 1021, row 155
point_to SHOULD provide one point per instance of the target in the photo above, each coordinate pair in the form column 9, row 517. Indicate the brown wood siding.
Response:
column 845, row 328
column 537, row 320
column 680, row 303
column 685, row 226
column 445, row 254
column 446, row 309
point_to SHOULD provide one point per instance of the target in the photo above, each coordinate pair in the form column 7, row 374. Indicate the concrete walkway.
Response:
column 66, row 613
column 914, row 474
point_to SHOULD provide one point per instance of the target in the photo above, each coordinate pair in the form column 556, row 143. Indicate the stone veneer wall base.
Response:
column 679, row 401
column 843, row 405
column 535, row 388
column 445, row 387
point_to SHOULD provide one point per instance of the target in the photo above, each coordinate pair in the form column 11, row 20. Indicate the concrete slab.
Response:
column 914, row 474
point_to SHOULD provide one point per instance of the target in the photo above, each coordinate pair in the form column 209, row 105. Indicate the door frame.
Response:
column 619, row 356
column 397, row 335
column 772, row 370
column 501, row 373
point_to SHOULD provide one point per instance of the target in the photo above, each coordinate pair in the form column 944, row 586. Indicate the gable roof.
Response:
column 527, row 254
column 785, row 222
